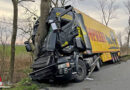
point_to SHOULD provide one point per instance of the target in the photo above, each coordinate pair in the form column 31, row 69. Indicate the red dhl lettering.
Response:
column 96, row 35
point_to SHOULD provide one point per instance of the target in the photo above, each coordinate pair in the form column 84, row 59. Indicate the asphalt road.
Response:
column 110, row 77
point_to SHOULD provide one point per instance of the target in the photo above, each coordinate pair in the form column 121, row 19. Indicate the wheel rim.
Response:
column 116, row 58
column 80, row 71
column 113, row 59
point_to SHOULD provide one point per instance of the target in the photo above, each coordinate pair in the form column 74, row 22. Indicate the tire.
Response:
column 118, row 59
column 101, row 62
column 81, row 74
column 113, row 59
column 98, row 66
column 64, row 79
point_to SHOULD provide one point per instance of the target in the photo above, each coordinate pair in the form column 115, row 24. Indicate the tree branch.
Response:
column 28, row 10
column 26, row 0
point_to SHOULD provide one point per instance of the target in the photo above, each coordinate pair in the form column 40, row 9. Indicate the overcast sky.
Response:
column 87, row 6
column 118, row 24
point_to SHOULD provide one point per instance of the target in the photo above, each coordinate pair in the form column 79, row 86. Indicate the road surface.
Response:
column 110, row 77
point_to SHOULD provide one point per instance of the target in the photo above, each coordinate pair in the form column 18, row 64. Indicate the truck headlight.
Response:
column 65, row 65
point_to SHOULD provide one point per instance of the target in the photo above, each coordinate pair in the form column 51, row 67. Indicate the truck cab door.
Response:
column 84, row 33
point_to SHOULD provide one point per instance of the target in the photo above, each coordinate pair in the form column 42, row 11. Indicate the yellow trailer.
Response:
column 102, row 38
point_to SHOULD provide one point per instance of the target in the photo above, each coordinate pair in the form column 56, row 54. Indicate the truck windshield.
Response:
column 64, row 22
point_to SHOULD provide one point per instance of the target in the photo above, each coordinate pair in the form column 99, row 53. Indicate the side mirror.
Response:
column 34, row 18
column 28, row 46
column 53, row 25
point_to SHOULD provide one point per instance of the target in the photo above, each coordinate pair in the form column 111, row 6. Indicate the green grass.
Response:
column 24, row 84
column 125, row 58
column 27, row 83
column 20, row 49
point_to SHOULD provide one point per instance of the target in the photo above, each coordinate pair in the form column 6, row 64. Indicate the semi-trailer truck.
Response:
column 75, row 45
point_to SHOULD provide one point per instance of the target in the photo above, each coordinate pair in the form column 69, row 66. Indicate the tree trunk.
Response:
column 121, row 42
column 13, row 39
column 42, row 30
column 128, row 39
column 128, row 35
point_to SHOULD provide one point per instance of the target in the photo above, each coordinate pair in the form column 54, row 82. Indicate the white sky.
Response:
column 86, row 6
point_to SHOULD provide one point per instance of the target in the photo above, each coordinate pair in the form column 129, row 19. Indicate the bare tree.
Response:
column 4, row 36
column 127, row 5
column 26, row 26
column 127, row 38
column 55, row 3
column 42, row 31
column 27, row 10
column 13, row 38
column 108, row 9
column 64, row 2
column 119, row 37
column 59, row 3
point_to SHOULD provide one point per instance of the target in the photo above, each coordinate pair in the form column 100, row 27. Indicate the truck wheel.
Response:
column 118, row 59
column 98, row 66
column 113, row 59
column 101, row 62
column 81, row 74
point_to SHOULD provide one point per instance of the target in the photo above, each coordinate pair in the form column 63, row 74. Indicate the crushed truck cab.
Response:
column 75, row 45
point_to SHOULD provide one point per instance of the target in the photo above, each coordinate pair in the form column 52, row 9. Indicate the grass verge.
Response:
column 24, row 84
column 125, row 58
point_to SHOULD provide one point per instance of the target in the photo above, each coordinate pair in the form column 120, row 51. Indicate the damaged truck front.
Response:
column 66, row 51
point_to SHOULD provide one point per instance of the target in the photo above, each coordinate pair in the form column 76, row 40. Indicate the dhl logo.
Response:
column 96, row 35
